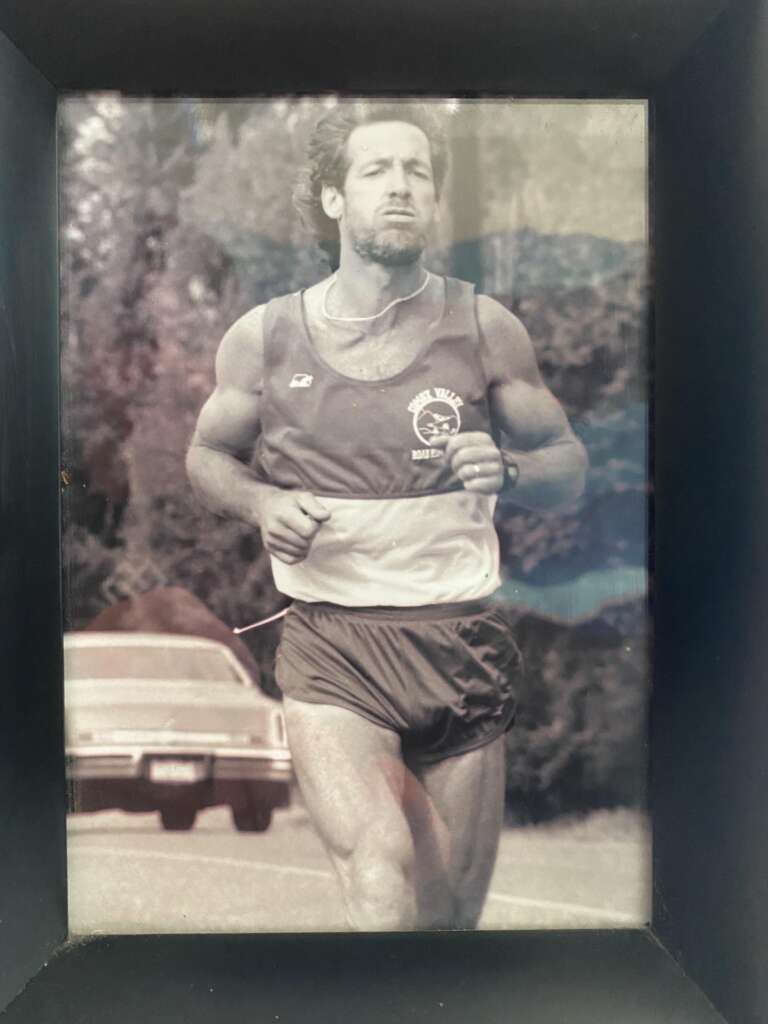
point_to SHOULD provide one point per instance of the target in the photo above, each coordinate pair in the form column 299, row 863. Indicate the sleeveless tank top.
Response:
column 403, row 530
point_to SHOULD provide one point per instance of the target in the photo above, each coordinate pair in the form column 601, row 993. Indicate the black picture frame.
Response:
column 703, row 64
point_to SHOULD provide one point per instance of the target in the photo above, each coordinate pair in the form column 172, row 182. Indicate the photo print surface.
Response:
column 354, row 466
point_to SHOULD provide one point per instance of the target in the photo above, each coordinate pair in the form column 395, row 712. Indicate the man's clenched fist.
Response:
column 475, row 460
column 289, row 521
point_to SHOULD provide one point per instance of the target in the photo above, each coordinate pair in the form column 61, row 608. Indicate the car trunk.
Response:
column 187, row 706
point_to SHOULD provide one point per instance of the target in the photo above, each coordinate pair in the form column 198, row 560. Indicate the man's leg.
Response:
column 351, row 776
column 455, row 809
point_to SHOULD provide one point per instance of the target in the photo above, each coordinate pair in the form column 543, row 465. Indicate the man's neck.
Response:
column 364, row 288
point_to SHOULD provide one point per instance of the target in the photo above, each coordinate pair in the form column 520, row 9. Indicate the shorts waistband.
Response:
column 455, row 610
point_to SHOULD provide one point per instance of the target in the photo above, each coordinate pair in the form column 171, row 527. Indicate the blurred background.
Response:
column 177, row 218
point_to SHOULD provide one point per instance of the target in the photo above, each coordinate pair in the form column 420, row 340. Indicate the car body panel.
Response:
column 150, row 741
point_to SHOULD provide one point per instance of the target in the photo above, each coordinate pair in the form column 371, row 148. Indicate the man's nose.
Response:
column 398, row 181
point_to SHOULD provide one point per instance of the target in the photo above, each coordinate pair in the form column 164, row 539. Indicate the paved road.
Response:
column 126, row 876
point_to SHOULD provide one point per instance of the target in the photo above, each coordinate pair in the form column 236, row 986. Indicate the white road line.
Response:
column 263, row 865
column 189, row 858
column 576, row 908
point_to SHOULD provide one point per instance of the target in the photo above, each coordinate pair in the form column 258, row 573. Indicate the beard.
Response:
column 391, row 247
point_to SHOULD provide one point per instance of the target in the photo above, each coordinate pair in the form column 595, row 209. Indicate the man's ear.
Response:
column 333, row 201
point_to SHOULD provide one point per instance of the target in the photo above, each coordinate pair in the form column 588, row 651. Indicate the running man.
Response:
column 367, row 426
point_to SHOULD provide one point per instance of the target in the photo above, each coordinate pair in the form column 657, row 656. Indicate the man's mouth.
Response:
column 398, row 213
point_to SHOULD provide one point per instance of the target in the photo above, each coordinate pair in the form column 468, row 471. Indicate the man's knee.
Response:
column 378, row 879
column 380, row 852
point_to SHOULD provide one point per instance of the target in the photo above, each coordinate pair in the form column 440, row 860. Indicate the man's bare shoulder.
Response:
column 507, row 348
column 240, row 358
column 498, row 323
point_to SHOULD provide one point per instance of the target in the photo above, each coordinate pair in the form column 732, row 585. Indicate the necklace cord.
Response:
column 375, row 316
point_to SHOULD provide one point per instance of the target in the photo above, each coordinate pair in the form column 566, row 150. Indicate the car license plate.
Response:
column 176, row 771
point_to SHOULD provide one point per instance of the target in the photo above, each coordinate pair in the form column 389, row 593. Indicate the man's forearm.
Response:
column 225, row 486
column 548, row 477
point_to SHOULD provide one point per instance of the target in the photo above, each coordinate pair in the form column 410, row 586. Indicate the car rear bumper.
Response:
column 178, row 767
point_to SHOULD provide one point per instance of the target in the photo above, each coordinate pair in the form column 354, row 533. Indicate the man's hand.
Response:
column 289, row 521
column 475, row 460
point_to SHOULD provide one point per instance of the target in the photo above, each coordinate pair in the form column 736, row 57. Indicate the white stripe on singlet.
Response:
column 430, row 549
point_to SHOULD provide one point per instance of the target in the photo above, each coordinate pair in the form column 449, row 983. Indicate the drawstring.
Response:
column 262, row 622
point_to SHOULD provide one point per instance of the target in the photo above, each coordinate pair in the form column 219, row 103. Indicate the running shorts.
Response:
column 445, row 677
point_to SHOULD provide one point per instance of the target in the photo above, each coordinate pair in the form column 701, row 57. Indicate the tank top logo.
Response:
column 435, row 414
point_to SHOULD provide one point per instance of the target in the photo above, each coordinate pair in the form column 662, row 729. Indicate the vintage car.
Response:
column 170, row 723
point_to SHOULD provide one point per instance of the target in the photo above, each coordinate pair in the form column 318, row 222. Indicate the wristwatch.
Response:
column 511, row 471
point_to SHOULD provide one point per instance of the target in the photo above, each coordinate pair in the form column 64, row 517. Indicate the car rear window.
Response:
column 132, row 662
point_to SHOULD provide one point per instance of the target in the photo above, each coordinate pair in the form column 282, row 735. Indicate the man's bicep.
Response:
column 507, row 350
column 528, row 415
column 522, row 406
column 229, row 421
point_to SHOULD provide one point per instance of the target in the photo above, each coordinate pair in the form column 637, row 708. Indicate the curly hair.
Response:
column 327, row 159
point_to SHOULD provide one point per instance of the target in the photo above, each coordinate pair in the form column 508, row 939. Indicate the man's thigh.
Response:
column 351, row 775
column 455, row 809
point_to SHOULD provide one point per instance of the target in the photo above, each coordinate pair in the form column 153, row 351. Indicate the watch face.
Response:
column 511, row 468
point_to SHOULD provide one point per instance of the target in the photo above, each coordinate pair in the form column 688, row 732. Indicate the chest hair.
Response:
column 374, row 351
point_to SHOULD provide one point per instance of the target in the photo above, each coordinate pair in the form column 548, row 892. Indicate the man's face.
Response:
column 388, row 202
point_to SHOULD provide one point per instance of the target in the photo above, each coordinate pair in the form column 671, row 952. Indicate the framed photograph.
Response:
column 533, row 211
column 510, row 257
